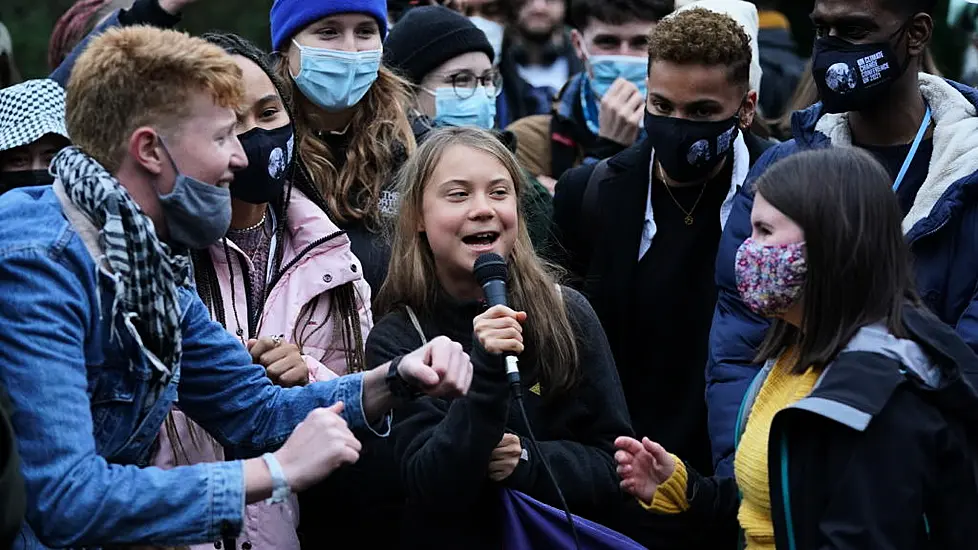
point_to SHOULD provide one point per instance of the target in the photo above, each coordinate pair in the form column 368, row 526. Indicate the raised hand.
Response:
column 175, row 7
column 621, row 114
column 642, row 467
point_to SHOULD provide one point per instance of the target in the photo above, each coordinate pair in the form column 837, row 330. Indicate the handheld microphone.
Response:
column 492, row 272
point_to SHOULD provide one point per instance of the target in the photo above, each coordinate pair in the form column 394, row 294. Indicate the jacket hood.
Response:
column 955, row 113
column 878, row 339
column 857, row 385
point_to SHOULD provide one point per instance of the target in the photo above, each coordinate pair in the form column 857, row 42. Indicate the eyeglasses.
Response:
column 465, row 83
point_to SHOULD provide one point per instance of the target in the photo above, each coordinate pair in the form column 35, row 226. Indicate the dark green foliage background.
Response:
column 30, row 23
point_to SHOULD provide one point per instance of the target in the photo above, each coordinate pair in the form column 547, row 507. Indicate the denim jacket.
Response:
column 83, row 427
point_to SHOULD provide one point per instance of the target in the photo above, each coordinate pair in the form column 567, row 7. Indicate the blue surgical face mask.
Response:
column 478, row 110
column 197, row 214
column 336, row 80
column 605, row 69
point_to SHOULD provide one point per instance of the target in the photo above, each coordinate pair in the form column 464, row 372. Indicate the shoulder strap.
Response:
column 564, row 151
column 417, row 325
column 748, row 401
column 589, row 204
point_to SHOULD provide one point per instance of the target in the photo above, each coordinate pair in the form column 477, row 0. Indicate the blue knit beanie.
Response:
column 291, row 16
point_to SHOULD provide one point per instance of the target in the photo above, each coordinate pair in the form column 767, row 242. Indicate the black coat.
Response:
column 600, row 250
column 873, row 458
column 444, row 447
column 620, row 209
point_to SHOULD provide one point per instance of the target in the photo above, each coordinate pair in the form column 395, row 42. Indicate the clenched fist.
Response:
column 283, row 361
column 500, row 330
column 440, row 368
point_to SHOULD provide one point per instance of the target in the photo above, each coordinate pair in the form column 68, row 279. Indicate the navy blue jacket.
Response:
column 942, row 228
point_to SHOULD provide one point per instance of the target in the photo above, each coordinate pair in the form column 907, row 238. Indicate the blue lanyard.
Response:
column 913, row 149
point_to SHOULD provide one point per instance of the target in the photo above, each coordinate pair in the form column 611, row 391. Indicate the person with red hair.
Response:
column 86, row 19
column 80, row 19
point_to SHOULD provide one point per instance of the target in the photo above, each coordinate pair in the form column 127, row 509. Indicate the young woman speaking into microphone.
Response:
column 459, row 199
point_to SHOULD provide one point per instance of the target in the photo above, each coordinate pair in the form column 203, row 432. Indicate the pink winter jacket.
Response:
column 317, row 259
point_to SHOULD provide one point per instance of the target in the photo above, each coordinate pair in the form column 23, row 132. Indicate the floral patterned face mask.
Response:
column 770, row 277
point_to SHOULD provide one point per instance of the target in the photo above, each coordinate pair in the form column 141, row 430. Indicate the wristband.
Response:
column 399, row 388
column 280, row 485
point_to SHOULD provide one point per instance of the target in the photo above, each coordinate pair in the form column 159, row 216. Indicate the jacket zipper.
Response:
column 252, row 317
column 932, row 231
column 315, row 244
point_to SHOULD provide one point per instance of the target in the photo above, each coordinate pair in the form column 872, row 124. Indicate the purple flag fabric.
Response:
column 533, row 525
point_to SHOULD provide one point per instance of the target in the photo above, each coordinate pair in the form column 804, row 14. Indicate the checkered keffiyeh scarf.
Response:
column 147, row 275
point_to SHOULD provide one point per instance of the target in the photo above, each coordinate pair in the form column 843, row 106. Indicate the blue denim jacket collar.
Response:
column 82, row 225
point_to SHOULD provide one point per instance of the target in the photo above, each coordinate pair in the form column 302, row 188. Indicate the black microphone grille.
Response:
column 490, row 266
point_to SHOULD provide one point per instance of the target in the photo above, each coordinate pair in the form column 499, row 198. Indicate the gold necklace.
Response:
column 689, row 214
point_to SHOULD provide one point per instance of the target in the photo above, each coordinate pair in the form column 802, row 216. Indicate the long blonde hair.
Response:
column 411, row 278
column 381, row 133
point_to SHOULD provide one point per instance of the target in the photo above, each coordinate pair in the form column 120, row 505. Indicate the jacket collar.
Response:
column 308, row 223
column 955, row 146
column 568, row 112
column 82, row 225
column 741, row 167
column 856, row 386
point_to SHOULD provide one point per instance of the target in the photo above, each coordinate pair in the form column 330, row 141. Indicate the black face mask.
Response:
column 269, row 154
column 689, row 150
column 852, row 77
column 24, row 178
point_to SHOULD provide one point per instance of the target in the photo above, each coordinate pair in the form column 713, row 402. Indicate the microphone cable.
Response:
column 491, row 272
column 517, row 394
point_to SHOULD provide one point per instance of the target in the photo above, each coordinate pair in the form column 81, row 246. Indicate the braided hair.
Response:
column 343, row 299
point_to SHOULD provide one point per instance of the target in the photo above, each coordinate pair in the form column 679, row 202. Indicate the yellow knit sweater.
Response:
column 781, row 389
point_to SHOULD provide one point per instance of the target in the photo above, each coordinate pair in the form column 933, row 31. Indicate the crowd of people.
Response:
column 239, row 307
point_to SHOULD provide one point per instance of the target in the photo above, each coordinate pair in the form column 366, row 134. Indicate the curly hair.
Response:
column 703, row 37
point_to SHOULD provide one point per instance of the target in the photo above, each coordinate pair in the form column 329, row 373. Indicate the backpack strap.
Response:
column 748, row 402
column 417, row 325
column 564, row 150
column 589, row 203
